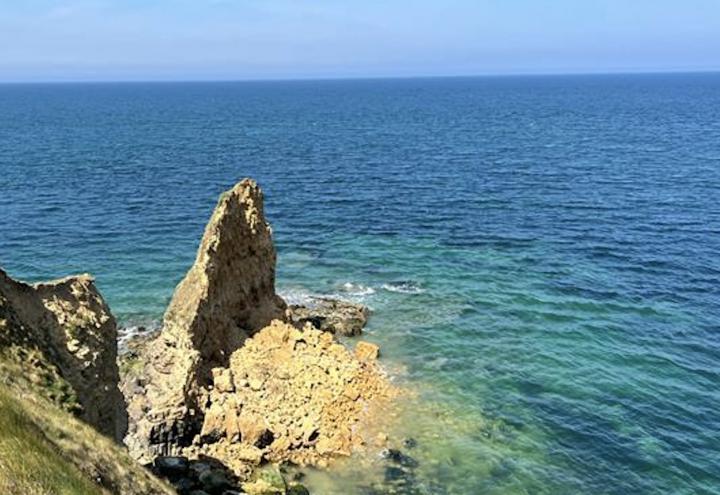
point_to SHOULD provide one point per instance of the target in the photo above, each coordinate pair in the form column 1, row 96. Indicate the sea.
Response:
column 541, row 254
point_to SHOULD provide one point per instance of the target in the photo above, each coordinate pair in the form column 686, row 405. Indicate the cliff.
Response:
column 64, row 335
column 228, row 294
column 61, row 412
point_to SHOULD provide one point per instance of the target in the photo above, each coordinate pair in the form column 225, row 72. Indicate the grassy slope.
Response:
column 29, row 462
column 46, row 450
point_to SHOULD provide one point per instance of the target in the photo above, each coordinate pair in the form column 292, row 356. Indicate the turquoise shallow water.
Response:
column 541, row 254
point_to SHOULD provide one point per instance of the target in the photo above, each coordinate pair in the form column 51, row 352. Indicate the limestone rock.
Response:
column 223, row 380
column 314, row 394
column 228, row 379
column 228, row 294
column 331, row 315
column 366, row 351
column 65, row 338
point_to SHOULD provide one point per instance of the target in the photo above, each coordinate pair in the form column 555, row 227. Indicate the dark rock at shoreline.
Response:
column 196, row 476
column 215, row 481
column 172, row 465
column 331, row 315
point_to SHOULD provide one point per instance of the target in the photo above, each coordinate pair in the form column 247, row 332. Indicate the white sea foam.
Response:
column 298, row 296
column 403, row 288
column 347, row 291
column 357, row 289
column 127, row 332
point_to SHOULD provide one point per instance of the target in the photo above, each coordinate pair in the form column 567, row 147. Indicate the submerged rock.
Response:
column 409, row 443
column 297, row 489
column 331, row 315
column 63, row 335
column 228, row 294
column 397, row 457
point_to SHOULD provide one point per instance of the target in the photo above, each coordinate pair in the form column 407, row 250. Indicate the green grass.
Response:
column 29, row 370
column 46, row 450
column 29, row 462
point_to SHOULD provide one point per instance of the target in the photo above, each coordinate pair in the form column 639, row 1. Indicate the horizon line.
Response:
column 363, row 78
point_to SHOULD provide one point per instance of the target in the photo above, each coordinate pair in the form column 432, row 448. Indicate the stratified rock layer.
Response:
column 64, row 338
column 228, row 294
column 290, row 395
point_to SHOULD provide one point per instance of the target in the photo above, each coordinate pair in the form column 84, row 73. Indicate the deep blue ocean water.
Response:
column 542, row 254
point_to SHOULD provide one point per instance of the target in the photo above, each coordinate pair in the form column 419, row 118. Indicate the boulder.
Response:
column 331, row 315
column 214, row 481
column 366, row 351
column 228, row 294
column 64, row 337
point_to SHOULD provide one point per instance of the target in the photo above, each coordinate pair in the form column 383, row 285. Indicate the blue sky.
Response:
column 48, row 40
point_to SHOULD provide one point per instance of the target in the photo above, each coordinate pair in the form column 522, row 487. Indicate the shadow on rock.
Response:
column 209, row 476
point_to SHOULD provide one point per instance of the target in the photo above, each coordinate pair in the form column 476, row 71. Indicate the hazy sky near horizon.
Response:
column 48, row 40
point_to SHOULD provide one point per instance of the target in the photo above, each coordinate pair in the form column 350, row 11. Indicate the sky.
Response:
column 119, row 40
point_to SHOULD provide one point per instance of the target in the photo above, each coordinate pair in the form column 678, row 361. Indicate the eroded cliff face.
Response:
column 228, row 294
column 60, row 339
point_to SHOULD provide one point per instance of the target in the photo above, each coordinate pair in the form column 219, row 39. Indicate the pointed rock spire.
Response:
column 228, row 294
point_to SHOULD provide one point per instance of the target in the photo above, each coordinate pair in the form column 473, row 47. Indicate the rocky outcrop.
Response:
column 331, row 315
column 230, row 378
column 62, row 338
column 228, row 294
column 290, row 395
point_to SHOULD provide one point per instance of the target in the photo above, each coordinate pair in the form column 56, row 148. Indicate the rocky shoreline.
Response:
column 236, row 384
